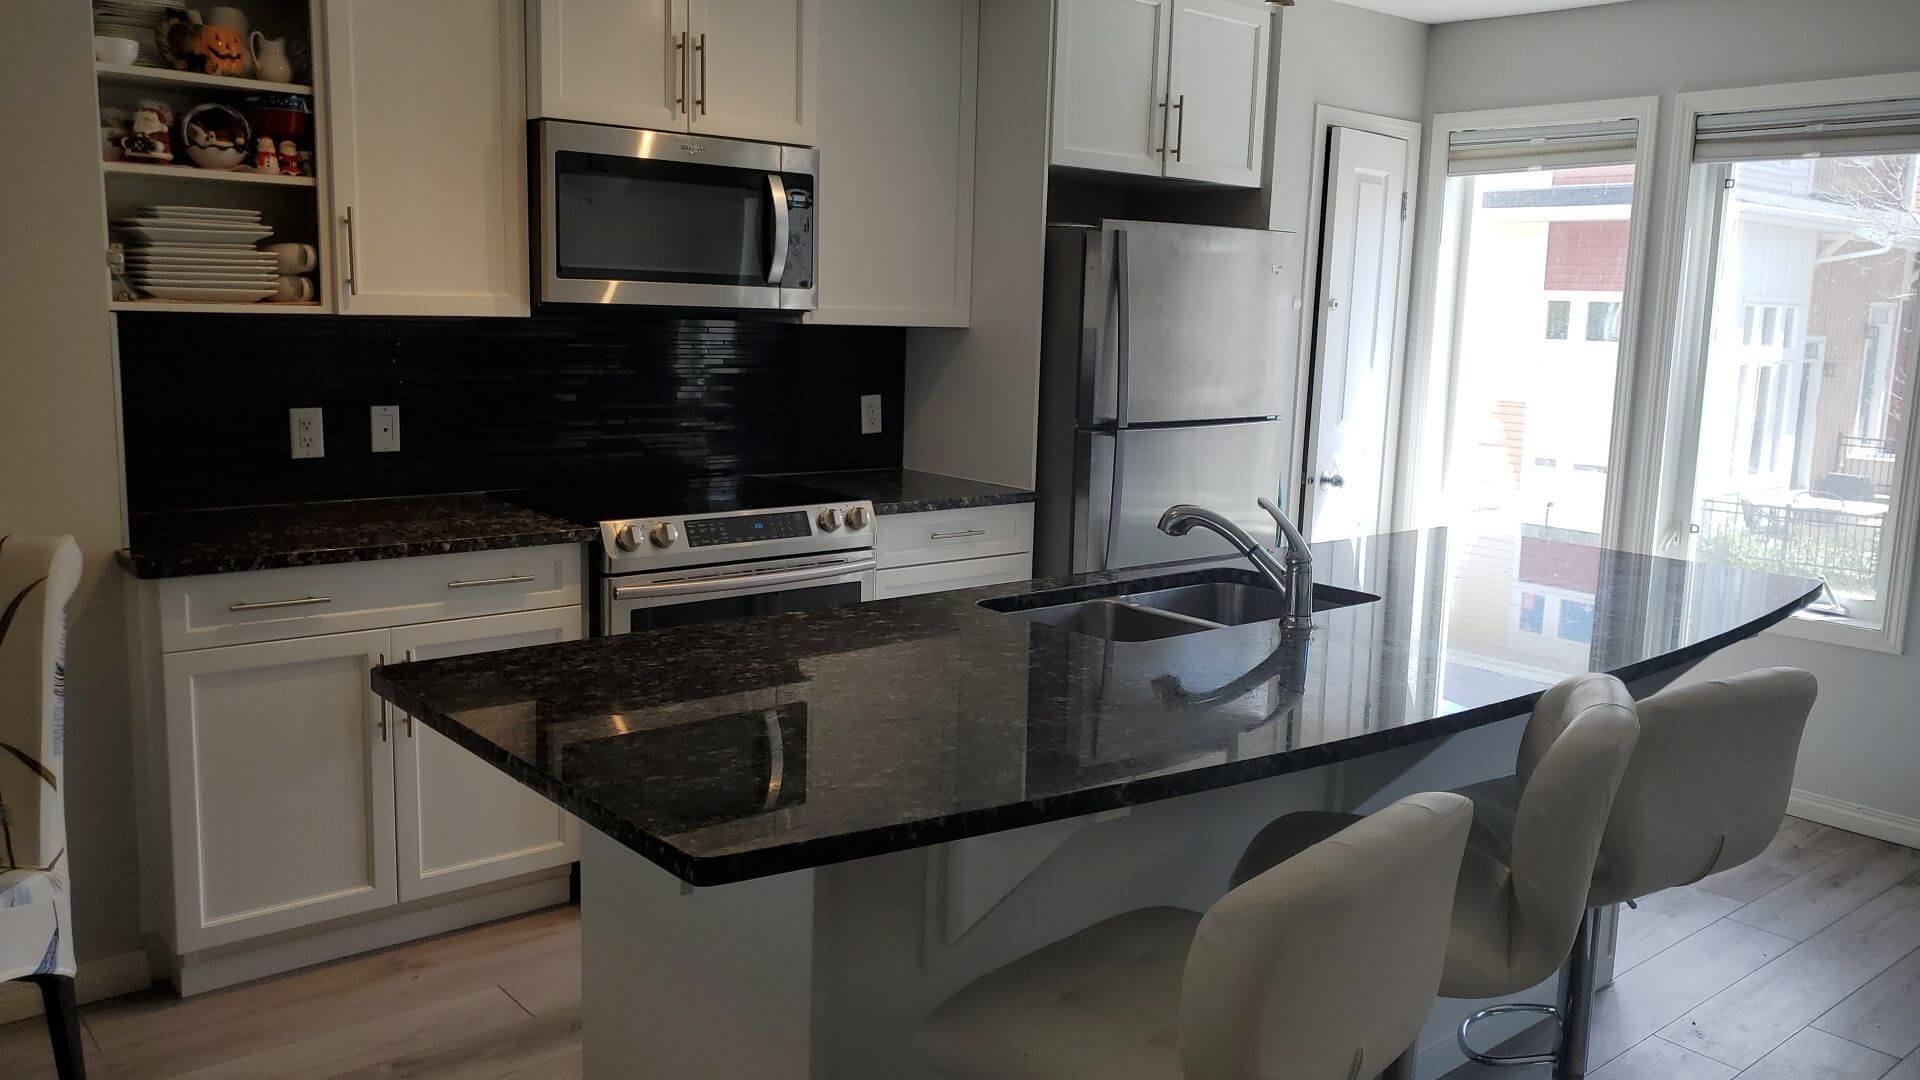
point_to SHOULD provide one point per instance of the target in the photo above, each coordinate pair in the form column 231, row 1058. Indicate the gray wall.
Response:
column 1864, row 743
column 59, row 459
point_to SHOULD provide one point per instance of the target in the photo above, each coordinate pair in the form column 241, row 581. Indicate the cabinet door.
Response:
column 622, row 62
column 461, row 821
column 1110, row 84
column 948, row 576
column 428, row 156
column 896, row 161
column 753, row 68
column 1219, row 83
column 281, row 782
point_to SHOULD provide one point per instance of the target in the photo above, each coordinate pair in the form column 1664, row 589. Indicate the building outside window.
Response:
column 1559, row 319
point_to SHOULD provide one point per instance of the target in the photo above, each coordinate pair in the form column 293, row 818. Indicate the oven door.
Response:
column 636, row 602
column 653, row 217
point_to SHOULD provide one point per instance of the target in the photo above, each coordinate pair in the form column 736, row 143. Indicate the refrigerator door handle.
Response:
column 1096, row 500
column 1123, row 330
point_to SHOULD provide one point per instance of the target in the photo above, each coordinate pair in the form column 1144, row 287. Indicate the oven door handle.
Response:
column 782, row 228
column 743, row 582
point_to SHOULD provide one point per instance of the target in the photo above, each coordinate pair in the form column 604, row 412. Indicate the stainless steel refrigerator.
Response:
column 1169, row 373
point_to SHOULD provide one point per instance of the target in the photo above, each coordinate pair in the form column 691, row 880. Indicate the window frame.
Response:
column 1426, row 419
column 1688, row 261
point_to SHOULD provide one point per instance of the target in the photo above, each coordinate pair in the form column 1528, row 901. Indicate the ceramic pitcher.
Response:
column 270, row 58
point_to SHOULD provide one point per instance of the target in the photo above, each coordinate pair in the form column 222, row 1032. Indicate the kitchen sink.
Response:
column 1205, row 600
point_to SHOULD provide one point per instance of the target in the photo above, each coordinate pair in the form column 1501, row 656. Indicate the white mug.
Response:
column 294, row 258
column 292, row 288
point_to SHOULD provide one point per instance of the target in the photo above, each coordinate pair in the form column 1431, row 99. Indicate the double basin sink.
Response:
column 1187, row 604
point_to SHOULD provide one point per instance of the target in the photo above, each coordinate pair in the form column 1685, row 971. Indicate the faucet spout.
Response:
column 1292, row 579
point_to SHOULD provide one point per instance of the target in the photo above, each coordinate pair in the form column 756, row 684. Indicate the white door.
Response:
column 622, row 62
column 753, row 68
column 427, row 134
column 282, row 782
column 1218, row 85
column 462, row 822
column 1110, row 84
column 1363, row 253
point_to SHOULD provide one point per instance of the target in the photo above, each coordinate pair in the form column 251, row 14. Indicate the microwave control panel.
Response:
column 799, row 239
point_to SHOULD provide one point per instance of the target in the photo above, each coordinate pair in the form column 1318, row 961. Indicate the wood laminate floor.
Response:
column 1804, row 964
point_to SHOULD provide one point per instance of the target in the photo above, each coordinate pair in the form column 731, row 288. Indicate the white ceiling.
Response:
column 1441, row 11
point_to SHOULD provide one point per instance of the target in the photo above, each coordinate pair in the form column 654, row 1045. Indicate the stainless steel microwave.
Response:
column 626, row 216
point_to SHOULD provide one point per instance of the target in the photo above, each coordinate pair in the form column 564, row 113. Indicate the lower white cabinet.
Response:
column 948, row 576
column 461, row 822
column 943, row 550
column 282, row 768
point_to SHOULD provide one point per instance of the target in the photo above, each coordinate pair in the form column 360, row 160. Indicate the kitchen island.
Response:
column 806, row 830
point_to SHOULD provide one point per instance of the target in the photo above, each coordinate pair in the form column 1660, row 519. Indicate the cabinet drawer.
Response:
column 946, row 535
column 270, row 605
column 948, row 576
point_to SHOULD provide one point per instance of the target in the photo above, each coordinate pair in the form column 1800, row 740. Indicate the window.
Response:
column 1576, row 621
column 1799, row 330
column 1559, row 318
column 1533, row 613
column 1603, row 320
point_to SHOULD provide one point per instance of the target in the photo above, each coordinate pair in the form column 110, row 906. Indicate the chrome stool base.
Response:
column 1546, row 1058
column 1573, row 1016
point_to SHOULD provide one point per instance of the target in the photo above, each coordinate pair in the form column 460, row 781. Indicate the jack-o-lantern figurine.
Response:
column 220, row 50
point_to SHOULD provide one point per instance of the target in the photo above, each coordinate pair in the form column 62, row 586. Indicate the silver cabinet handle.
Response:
column 1164, row 115
column 475, row 583
column 777, row 189
column 353, row 258
column 1180, row 133
column 383, row 705
column 409, row 715
column 264, row 605
column 680, row 51
column 701, row 48
column 958, row 535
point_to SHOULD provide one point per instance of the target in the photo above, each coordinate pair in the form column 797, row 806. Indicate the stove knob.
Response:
column 829, row 519
column 858, row 517
column 626, row 539
column 662, row 534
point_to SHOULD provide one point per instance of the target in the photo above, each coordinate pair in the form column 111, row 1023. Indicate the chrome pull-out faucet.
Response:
column 1292, row 578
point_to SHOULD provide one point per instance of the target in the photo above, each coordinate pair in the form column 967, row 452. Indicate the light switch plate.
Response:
column 306, row 434
column 869, row 414
column 386, row 428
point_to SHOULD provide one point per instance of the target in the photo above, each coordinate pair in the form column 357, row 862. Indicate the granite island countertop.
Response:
column 234, row 540
column 733, row 750
column 910, row 491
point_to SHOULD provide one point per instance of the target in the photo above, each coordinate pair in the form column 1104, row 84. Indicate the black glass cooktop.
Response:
column 614, row 500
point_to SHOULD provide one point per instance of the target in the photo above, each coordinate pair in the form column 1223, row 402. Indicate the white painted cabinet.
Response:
column 426, row 155
column 1174, row 88
column 897, row 81
column 738, row 68
column 943, row 550
column 281, row 766
column 462, row 822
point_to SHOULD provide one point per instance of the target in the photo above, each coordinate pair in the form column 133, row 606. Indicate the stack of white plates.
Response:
column 200, row 254
column 137, row 20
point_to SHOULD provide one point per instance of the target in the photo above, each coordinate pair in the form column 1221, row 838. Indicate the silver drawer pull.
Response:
column 960, row 535
column 263, row 605
column 515, row 579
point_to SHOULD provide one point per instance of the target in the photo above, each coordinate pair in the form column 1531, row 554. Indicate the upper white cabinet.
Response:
column 896, row 161
column 738, row 68
column 427, row 134
column 1174, row 88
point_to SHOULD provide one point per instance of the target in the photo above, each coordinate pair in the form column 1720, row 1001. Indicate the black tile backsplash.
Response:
column 487, row 404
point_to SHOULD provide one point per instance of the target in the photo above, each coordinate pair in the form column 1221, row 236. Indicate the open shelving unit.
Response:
column 294, row 206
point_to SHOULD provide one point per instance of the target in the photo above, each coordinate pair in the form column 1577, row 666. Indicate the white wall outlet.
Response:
column 869, row 414
column 309, row 438
column 386, row 429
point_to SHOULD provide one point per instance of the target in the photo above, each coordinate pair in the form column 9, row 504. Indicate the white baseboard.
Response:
column 1865, row 820
column 109, row 976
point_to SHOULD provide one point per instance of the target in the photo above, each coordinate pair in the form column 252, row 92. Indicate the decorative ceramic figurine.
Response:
column 264, row 159
column 232, row 18
column 289, row 158
column 150, row 140
column 114, row 130
column 270, row 58
column 220, row 50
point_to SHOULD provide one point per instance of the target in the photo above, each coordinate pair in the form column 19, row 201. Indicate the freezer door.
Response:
column 1223, row 467
column 1189, row 322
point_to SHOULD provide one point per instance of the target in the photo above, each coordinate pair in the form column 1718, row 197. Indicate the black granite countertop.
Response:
column 356, row 530
column 734, row 750
column 909, row 491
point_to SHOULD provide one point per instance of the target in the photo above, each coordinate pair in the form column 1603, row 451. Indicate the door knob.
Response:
column 1334, row 481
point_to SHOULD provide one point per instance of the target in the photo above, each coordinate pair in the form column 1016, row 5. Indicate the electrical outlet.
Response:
column 869, row 414
column 386, row 428
column 309, row 438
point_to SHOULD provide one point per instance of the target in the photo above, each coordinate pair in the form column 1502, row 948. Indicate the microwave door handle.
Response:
column 781, row 228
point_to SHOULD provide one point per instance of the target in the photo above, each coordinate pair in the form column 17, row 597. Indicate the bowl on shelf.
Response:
column 216, row 135
column 115, row 50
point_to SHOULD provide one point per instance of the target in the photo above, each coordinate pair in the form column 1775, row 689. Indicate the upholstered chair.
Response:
column 1322, row 966
column 1520, row 908
column 37, row 576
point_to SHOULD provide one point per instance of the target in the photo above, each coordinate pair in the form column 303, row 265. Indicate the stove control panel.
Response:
column 747, row 528
column 644, row 543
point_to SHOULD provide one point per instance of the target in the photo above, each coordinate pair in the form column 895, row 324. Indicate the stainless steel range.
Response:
column 720, row 553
